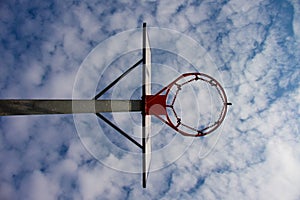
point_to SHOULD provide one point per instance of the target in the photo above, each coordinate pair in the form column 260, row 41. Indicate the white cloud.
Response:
column 296, row 21
column 257, row 153
column 40, row 187
column 166, row 11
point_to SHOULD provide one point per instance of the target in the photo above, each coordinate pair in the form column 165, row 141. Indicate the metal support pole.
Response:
column 41, row 107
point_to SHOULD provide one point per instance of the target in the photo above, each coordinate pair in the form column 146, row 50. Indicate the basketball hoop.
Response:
column 158, row 105
column 163, row 104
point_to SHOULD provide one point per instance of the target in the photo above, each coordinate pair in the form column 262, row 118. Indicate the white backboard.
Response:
column 146, row 123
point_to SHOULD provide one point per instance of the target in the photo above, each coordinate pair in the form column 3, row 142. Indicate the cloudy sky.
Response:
column 70, row 49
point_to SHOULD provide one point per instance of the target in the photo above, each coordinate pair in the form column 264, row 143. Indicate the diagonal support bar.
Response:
column 119, row 130
column 117, row 80
column 63, row 106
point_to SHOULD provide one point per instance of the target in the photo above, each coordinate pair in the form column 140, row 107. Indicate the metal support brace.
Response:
column 119, row 130
column 117, row 80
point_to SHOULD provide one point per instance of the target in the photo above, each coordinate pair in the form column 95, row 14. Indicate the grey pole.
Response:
column 64, row 106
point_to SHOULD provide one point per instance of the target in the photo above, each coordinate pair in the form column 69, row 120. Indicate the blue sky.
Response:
column 251, row 47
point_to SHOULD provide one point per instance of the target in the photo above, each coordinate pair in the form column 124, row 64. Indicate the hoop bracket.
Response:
column 156, row 105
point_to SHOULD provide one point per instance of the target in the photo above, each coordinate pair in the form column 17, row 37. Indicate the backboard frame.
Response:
column 146, row 119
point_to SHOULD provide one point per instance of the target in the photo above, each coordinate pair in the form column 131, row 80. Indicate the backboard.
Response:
column 146, row 119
